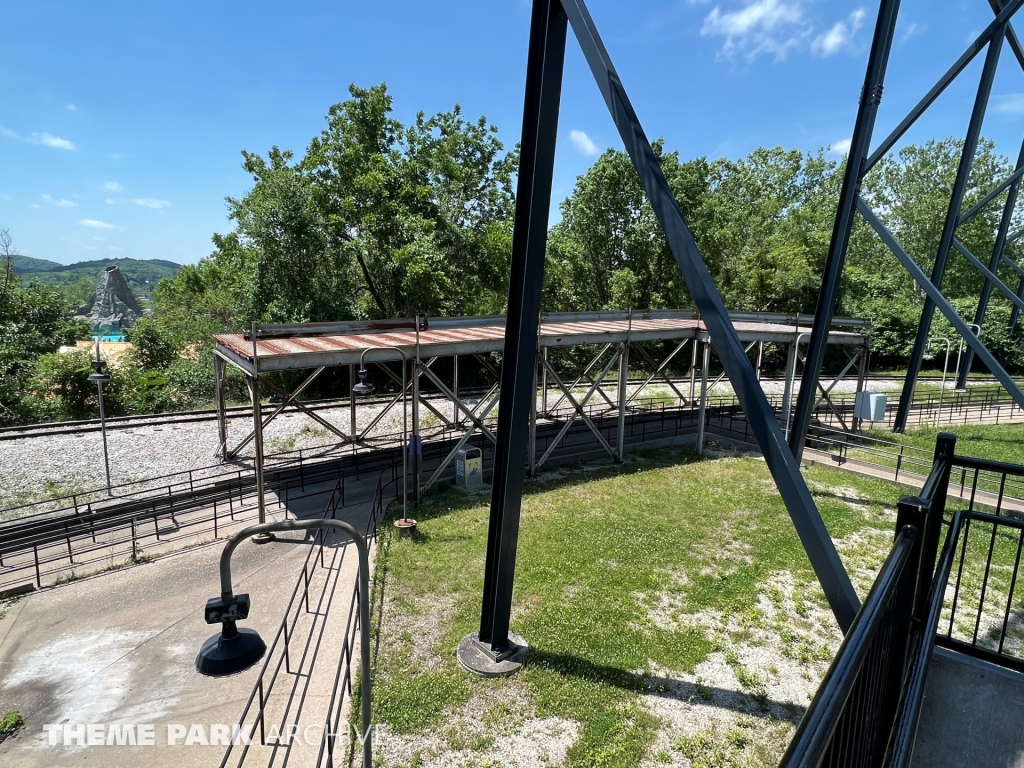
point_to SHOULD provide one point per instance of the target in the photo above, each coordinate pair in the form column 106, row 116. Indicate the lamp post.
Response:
column 102, row 378
column 942, row 390
column 234, row 649
column 405, row 526
column 977, row 332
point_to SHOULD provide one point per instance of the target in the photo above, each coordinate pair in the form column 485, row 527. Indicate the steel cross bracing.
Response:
column 860, row 162
column 549, row 23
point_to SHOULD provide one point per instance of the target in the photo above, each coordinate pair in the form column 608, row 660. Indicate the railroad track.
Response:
column 245, row 412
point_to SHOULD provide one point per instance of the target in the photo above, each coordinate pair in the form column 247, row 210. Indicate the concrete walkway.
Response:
column 971, row 715
column 983, row 500
column 119, row 648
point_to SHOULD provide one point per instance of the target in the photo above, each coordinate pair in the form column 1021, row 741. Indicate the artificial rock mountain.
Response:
column 112, row 305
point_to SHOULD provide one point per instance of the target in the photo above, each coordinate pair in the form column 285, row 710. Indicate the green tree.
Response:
column 34, row 321
column 608, row 251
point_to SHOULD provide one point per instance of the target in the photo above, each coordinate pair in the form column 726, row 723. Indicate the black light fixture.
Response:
column 234, row 649
column 363, row 387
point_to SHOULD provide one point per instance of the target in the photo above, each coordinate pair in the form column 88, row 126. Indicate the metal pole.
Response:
column 222, row 425
column 787, row 393
column 103, row 431
column 533, row 428
column 257, row 425
column 353, row 429
column 993, row 265
column 623, row 385
column 536, row 165
column 862, row 370
column 942, row 389
column 960, row 353
column 703, row 405
column 693, row 369
column 544, row 385
column 860, row 144
column 455, row 388
column 416, row 442
column 405, row 443
column 949, row 229
column 760, row 358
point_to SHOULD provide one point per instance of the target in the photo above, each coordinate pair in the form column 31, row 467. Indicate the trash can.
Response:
column 870, row 406
column 469, row 468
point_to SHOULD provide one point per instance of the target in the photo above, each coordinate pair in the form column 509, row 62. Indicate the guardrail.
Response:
column 844, row 725
column 294, row 668
column 964, row 602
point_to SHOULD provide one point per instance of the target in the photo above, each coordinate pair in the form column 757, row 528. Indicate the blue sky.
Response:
column 121, row 123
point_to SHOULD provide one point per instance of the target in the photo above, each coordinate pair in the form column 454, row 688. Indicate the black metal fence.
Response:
column 962, row 599
column 275, row 707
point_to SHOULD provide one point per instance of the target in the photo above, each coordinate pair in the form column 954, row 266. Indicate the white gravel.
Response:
column 43, row 467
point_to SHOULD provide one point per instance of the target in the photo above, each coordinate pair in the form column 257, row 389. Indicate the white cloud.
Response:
column 94, row 224
column 62, row 203
column 72, row 108
column 113, row 186
column 149, row 202
column 761, row 26
column 38, row 138
column 51, row 141
column 584, row 143
column 840, row 36
column 841, row 147
column 109, row 201
column 912, row 31
column 1008, row 103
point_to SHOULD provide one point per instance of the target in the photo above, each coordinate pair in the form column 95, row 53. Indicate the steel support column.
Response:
column 544, row 384
column 760, row 359
column 702, row 407
column 959, row 324
column 993, row 265
column 257, row 427
column 416, row 443
column 787, row 391
column 533, row 427
column 623, row 397
column 949, row 228
column 860, row 144
column 862, row 373
column 546, row 56
column 222, row 425
column 353, row 429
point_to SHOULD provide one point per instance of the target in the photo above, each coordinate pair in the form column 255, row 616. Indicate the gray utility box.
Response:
column 870, row 406
column 469, row 468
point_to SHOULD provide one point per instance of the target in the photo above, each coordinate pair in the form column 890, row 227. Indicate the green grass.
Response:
column 999, row 442
column 594, row 546
column 10, row 724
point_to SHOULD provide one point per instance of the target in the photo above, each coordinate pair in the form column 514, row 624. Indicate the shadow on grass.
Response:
column 695, row 694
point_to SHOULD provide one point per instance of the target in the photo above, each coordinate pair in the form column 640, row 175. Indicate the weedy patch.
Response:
column 671, row 613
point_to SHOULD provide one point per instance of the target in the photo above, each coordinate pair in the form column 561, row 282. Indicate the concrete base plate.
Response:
column 477, row 658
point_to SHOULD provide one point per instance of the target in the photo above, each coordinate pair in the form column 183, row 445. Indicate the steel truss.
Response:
column 549, row 25
column 860, row 162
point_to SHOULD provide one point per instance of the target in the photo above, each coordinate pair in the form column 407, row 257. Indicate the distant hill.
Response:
column 24, row 264
column 141, row 274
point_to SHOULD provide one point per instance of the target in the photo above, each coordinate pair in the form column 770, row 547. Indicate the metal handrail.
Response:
column 814, row 736
column 901, row 748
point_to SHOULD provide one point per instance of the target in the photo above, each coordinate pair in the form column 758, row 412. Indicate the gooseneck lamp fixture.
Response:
column 235, row 650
